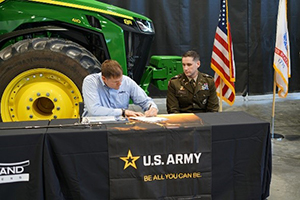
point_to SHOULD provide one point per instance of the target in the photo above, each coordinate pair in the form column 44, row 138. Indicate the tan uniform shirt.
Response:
column 182, row 97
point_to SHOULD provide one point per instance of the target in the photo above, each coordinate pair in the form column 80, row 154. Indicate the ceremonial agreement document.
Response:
column 103, row 119
column 149, row 119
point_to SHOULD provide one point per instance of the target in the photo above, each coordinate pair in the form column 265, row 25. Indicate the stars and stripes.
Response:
column 222, row 61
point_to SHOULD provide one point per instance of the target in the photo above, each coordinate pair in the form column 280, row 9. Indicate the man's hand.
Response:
column 152, row 112
column 130, row 113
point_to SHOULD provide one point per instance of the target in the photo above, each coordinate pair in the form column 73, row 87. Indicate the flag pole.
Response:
column 273, row 107
column 221, row 96
column 274, row 135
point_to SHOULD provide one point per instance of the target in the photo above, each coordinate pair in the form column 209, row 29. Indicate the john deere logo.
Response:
column 130, row 160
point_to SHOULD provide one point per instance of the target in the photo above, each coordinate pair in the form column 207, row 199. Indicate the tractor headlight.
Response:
column 145, row 26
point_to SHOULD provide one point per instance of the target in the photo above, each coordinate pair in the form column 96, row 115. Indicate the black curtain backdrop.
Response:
column 182, row 25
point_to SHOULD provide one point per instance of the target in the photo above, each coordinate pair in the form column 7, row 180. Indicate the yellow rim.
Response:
column 40, row 94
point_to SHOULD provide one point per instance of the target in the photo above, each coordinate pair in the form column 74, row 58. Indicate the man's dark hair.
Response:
column 192, row 54
column 111, row 69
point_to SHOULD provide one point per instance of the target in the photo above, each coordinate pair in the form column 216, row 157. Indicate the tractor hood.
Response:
column 95, row 6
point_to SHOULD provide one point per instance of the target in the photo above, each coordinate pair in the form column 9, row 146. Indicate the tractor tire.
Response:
column 41, row 79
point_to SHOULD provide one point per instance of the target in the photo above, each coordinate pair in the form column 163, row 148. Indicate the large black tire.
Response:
column 27, row 67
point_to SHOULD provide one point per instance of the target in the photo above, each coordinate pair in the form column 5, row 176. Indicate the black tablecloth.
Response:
column 68, row 160
column 21, row 160
column 242, row 159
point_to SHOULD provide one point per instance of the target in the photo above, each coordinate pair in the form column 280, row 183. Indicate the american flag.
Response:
column 222, row 60
column 282, row 64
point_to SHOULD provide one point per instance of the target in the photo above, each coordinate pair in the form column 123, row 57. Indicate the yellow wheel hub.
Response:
column 40, row 94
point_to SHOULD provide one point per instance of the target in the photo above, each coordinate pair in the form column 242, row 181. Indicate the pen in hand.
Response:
column 151, row 112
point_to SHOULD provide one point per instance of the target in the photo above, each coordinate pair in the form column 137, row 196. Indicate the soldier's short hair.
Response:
column 192, row 54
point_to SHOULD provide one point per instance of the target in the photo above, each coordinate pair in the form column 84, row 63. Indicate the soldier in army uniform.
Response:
column 192, row 91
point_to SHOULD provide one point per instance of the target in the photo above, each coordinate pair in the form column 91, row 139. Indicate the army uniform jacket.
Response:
column 182, row 97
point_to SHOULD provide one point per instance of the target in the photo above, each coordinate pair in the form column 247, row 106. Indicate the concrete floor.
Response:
column 285, row 182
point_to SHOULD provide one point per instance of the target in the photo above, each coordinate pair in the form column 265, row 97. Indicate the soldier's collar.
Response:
column 195, row 79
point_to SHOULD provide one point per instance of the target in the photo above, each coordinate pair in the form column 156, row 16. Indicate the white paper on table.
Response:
column 102, row 119
column 149, row 119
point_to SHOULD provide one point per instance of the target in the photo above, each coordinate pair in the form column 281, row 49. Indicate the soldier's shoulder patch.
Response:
column 176, row 77
column 206, row 75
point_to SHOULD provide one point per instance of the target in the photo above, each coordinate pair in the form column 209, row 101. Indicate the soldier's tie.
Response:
column 193, row 83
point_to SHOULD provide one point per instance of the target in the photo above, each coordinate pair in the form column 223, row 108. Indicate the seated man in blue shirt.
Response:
column 108, row 93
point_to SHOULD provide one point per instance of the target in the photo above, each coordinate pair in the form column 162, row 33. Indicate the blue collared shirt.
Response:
column 100, row 100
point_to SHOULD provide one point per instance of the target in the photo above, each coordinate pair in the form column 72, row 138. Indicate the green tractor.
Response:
column 47, row 47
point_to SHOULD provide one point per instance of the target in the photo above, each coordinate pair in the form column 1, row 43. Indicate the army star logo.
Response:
column 129, row 160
